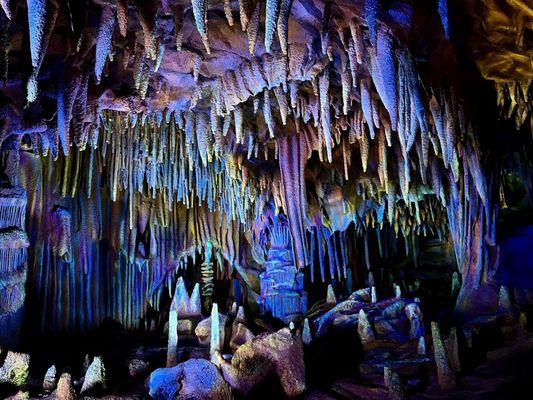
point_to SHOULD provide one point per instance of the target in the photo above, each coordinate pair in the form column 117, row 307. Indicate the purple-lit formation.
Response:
column 265, row 198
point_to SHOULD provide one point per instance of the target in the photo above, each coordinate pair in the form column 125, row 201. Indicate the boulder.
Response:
column 15, row 368
column 279, row 353
column 194, row 379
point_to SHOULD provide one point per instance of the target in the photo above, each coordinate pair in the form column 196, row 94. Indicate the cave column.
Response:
column 471, row 219
column 13, row 261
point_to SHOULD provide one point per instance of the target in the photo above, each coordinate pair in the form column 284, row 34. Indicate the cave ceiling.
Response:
column 206, row 119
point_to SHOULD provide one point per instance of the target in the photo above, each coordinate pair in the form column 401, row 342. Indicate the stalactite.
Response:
column 271, row 18
column 104, row 40
column 252, row 28
column 283, row 24
column 325, row 118
column 228, row 12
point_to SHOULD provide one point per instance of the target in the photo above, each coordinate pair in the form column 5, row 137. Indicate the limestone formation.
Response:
column 279, row 354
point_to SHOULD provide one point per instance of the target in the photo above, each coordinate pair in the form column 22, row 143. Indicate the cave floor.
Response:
column 505, row 371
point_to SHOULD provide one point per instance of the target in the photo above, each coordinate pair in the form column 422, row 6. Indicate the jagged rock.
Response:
column 193, row 379
column 95, row 377
column 49, row 381
column 137, row 367
column 279, row 353
column 15, row 368
column 203, row 330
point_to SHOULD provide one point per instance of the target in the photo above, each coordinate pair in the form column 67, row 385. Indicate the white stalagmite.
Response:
column 195, row 304
column 181, row 300
column 374, row 294
column 214, row 346
column 397, row 291
column 172, row 347
column 307, row 338
column 422, row 346
column 330, row 296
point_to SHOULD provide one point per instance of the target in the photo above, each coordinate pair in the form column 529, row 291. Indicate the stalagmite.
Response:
column 445, row 373
column 172, row 346
column 307, row 337
column 394, row 384
column 452, row 348
column 421, row 346
column 214, row 346
column 373, row 295
column 330, row 296
column 195, row 303
column 364, row 329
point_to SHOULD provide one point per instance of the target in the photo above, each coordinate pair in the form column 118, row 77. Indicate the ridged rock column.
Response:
column 13, row 267
column 282, row 285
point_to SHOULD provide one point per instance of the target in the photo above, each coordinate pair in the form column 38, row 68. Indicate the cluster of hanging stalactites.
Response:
column 515, row 102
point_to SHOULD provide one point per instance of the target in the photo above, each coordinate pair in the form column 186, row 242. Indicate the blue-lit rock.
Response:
column 194, row 379
column 282, row 285
column 13, row 268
